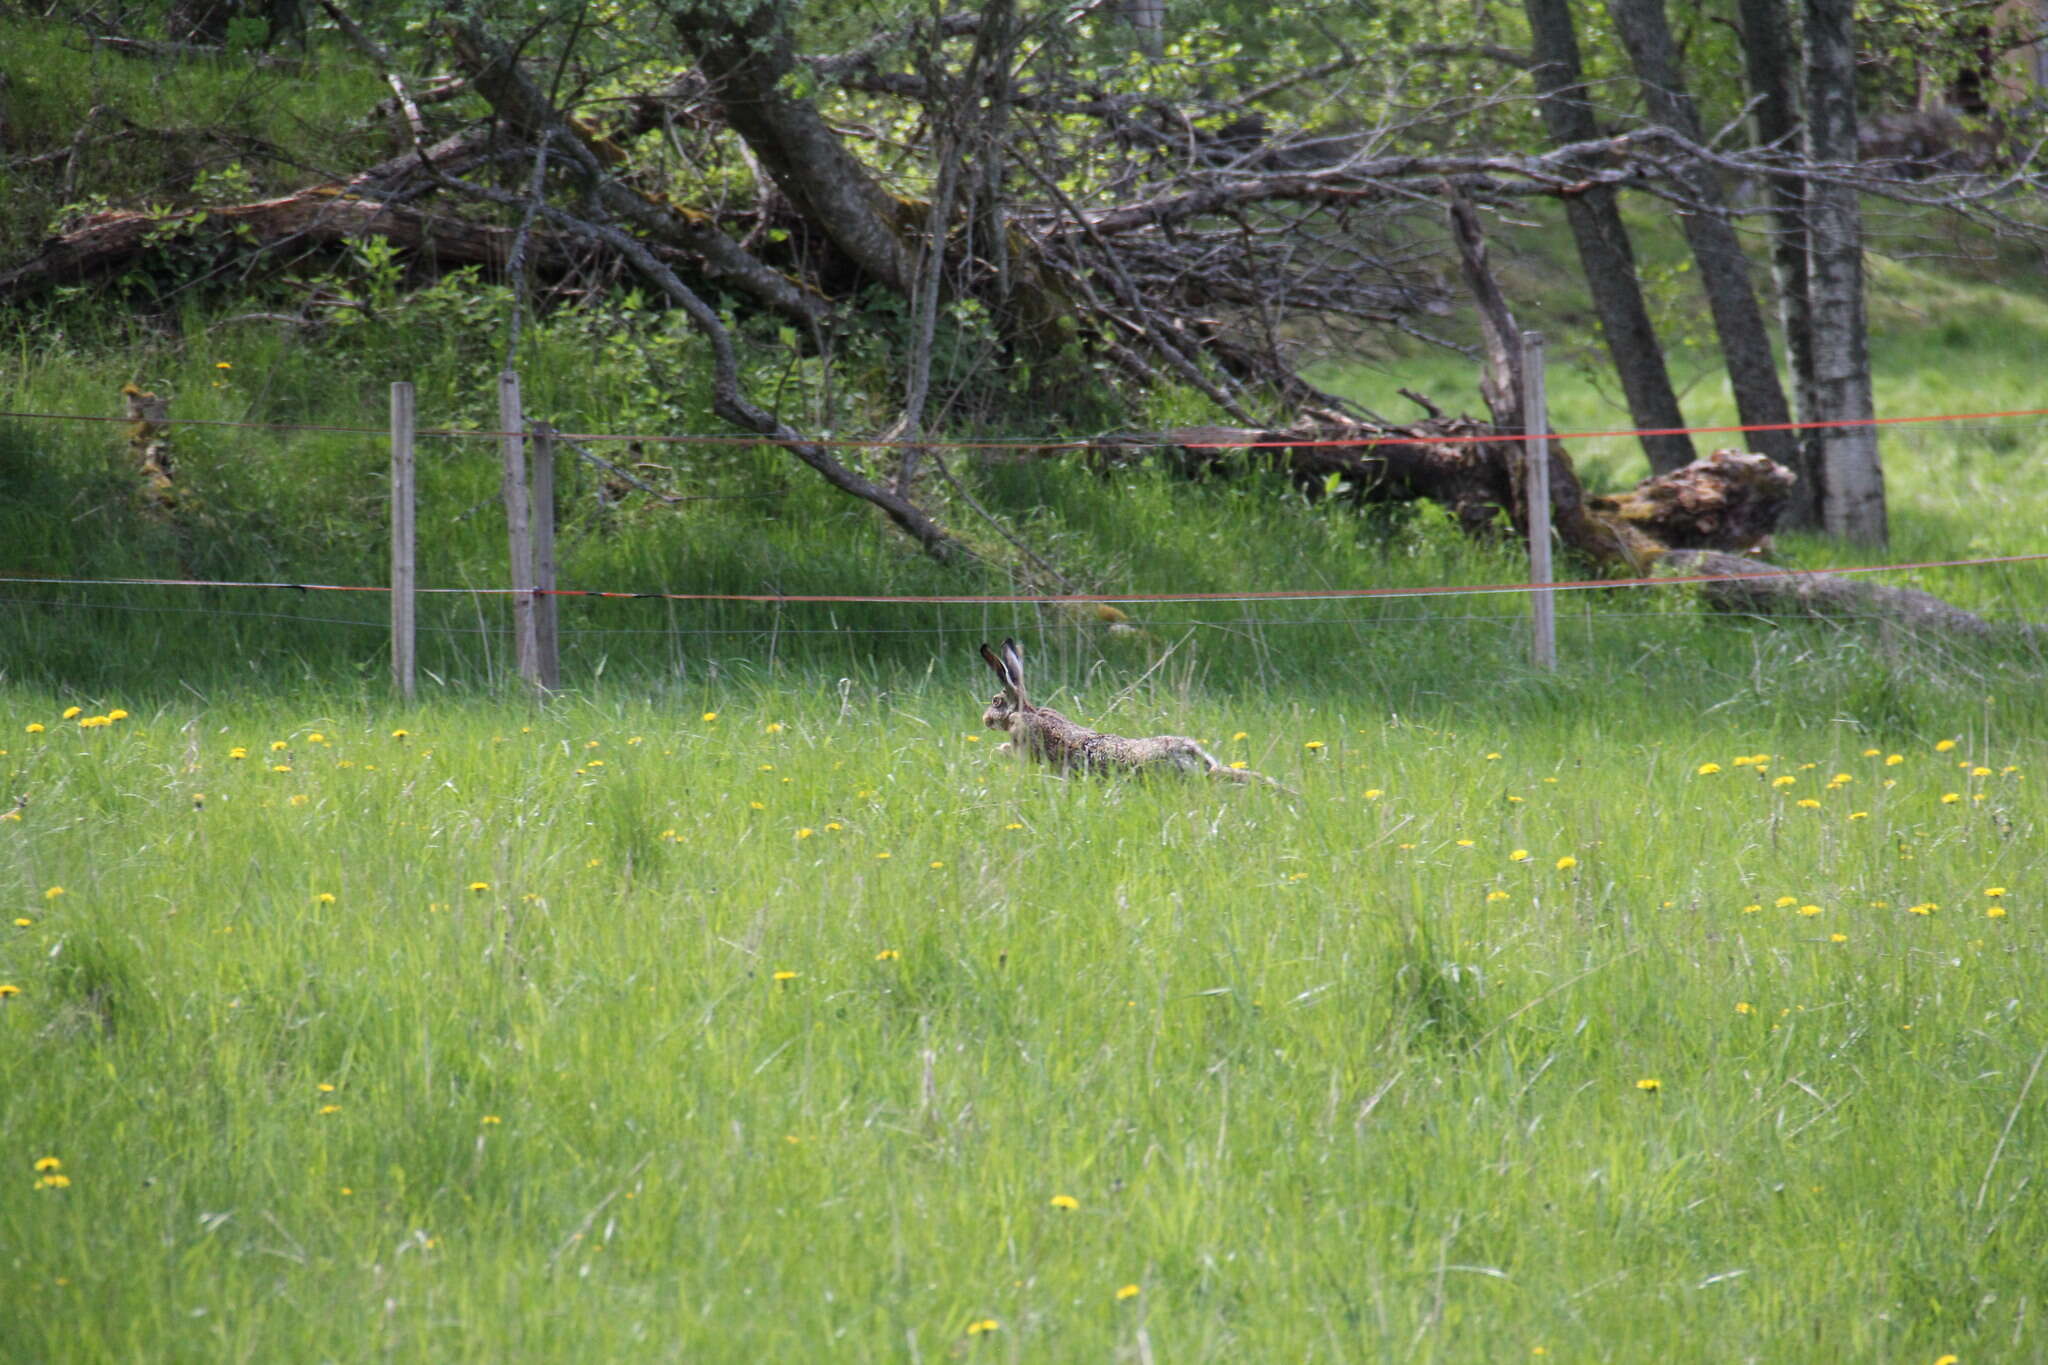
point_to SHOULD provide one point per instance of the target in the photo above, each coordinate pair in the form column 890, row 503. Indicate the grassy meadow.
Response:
column 741, row 1004
column 807, row 1026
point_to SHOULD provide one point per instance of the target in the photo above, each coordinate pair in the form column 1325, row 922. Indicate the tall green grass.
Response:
column 617, row 1030
column 1644, row 1009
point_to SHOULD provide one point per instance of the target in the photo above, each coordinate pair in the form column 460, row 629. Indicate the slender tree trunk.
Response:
column 746, row 52
column 1851, row 476
column 1147, row 19
column 1723, row 265
column 1771, row 58
column 1604, row 252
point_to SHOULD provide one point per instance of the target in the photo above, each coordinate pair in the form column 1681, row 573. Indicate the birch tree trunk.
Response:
column 1724, row 268
column 1604, row 251
column 1845, row 459
column 1771, row 61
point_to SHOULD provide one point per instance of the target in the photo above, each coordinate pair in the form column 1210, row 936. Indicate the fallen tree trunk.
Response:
column 1759, row 589
column 111, row 242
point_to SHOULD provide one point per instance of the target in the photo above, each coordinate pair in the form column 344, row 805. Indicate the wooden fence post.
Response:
column 404, row 541
column 511, row 423
column 546, row 607
column 1536, row 484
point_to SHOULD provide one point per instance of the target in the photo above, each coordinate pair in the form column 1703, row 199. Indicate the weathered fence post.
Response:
column 404, row 541
column 546, row 607
column 1536, row 484
column 511, row 426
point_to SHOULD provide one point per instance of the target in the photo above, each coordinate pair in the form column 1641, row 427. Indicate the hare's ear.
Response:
column 988, row 656
column 1014, row 661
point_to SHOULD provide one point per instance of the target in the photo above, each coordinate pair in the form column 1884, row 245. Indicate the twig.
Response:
column 1984, row 1187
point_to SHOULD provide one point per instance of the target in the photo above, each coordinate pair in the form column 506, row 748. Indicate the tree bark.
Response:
column 1771, row 61
column 1845, row 462
column 1723, row 265
column 1604, row 251
column 745, row 50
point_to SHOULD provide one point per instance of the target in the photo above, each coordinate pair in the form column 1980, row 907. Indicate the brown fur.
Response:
column 1043, row 734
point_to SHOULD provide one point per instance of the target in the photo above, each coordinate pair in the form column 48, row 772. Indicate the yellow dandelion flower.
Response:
column 1129, row 1291
column 1838, row 938
column 1649, row 1085
column 1496, row 895
column 8, row 992
column 1707, row 769
column 34, row 727
column 1946, row 1360
column 1240, row 763
column 1065, row 1202
column 238, row 752
column 888, row 955
column 1373, row 793
column 1894, row 760
column 46, row 1164
column 936, row 864
column 1744, row 1007
column 833, row 826
column 757, row 805
column 710, row 715
column 1465, row 843
column 492, row 1119
column 1752, row 909
column 980, row 1325
column 1994, row 891
column 53, row 893
column 479, row 886
column 1807, row 803
column 1809, row 910
column 324, row 898
column 1872, row 753
column 1492, row 757
column 1980, row 771
column 401, row 734
column 786, row 976
column 1943, row 746
column 1784, row 901
column 326, row 1109
column 883, row 856
column 73, row 712
column 1313, row 744
column 1784, row 781
column 1520, row 855
column 1950, row 798
column 805, row 832
column 1994, row 911
column 1567, row 863
column 1238, row 736
column 22, row 921
column 1859, row 815
column 54, row 1182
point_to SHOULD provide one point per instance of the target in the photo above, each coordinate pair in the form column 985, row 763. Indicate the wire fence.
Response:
column 772, row 615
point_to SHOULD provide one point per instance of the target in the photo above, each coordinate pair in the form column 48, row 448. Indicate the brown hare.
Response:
column 1043, row 734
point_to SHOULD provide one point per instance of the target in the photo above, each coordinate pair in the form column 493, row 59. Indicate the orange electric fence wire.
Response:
column 1058, row 599
column 870, row 443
